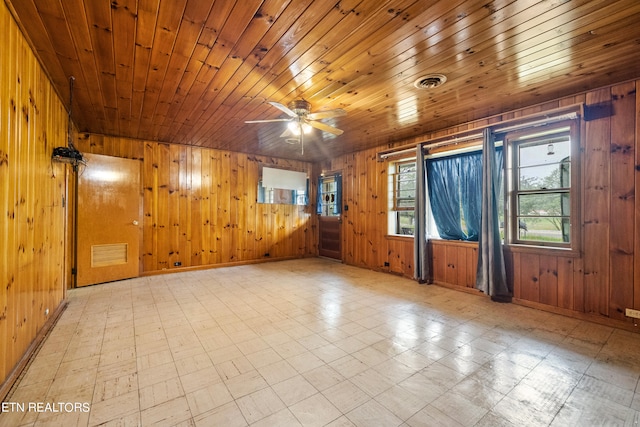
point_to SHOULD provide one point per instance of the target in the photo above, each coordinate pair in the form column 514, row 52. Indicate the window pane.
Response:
column 407, row 167
column 301, row 198
column 547, row 229
column 406, row 183
column 545, row 177
column 544, row 152
column 544, row 217
column 406, row 223
column 406, row 175
column 405, row 194
column 544, row 164
column 547, row 204
column 405, row 203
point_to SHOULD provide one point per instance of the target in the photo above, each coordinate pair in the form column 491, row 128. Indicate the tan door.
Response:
column 109, row 210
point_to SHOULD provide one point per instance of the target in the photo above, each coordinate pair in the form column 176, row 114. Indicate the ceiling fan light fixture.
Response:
column 294, row 127
column 430, row 81
column 301, row 121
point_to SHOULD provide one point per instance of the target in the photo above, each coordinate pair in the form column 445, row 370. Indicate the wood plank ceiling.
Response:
column 192, row 71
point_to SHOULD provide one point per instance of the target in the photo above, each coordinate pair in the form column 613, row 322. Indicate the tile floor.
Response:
column 312, row 342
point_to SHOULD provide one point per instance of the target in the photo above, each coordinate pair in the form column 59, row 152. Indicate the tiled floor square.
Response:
column 259, row 404
column 373, row 414
column 315, row 411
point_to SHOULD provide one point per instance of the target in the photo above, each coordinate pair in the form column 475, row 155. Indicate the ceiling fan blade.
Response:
column 283, row 108
column 325, row 127
column 267, row 121
column 338, row 112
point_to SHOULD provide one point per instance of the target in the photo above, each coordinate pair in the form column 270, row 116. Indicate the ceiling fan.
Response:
column 301, row 120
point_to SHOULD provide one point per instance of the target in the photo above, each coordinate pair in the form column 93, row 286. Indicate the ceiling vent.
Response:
column 430, row 81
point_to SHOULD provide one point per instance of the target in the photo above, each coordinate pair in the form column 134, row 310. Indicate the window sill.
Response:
column 402, row 237
column 445, row 242
column 543, row 250
column 530, row 249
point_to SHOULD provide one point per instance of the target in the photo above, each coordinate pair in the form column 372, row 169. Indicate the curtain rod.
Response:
column 548, row 117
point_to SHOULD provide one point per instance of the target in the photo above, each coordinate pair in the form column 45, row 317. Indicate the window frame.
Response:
column 329, row 187
column 396, row 187
column 512, row 142
column 394, row 207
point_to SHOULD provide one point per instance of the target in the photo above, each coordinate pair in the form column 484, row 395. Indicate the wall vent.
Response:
column 109, row 255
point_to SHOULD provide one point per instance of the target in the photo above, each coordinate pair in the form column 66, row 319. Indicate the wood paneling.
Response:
column 32, row 192
column 364, row 187
column 636, row 214
column 400, row 255
column 623, row 202
column 454, row 263
column 596, row 208
column 200, row 206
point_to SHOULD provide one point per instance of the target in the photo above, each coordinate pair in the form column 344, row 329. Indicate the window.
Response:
column 329, row 195
column 538, row 177
column 541, row 186
column 455, row 189
column 402, row 200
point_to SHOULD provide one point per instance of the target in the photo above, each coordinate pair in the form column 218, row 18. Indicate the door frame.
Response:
column 331, row 219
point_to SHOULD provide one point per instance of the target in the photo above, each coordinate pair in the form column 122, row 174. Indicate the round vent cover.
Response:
column 430, row 81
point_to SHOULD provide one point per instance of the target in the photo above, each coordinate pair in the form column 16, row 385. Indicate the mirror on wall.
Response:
column 280, row 186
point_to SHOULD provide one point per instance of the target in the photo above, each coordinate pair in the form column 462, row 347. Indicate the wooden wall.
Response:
column 365, row 242
column 364, row 220
column 200, row 205
column 454, row 263
column 32, row 187
column 601, row 282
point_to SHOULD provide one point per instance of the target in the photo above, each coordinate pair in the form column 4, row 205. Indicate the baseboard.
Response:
column 601, row 320
column 222, row 264
column 620, row 324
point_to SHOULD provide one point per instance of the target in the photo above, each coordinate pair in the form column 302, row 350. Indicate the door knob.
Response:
column 135, row 222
